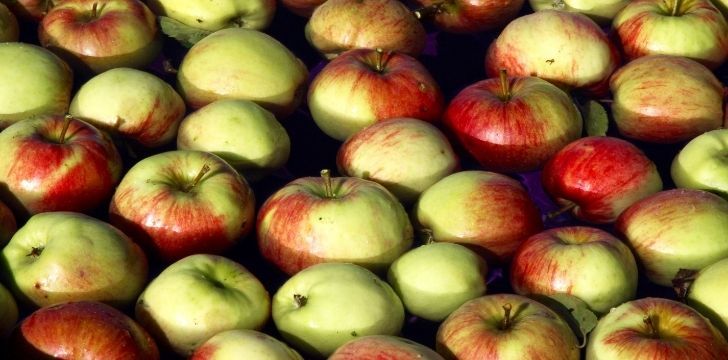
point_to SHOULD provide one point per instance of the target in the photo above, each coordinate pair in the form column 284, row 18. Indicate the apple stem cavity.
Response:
column 556, row 213
column 328, row 187
column 506, row 324
column 505, row 85
column 203, row 171
column 64, row 130
column 651, row 326
column 300, row 300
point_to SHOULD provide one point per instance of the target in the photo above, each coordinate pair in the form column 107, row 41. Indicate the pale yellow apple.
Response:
column 601, row 11
column 214, row 15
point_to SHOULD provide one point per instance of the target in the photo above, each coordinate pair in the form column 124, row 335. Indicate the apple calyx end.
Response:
column 506, row 324
column 205, row 169
column 35, row 251
column 300, row 300
column 505, row 85
column 328, row 187
column 428, row 237
column 651, row 328
column 682, row 282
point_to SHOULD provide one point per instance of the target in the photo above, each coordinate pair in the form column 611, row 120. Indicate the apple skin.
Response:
column 326, row 305
column 385, row 24
column 42, row 266
column 29, row 10
column 302, row 8
column 272, row 76
column 600, row 11
column 698, row 31
column 84, row 329
column 244, row 344
column 517, row 133
column 567, row 49
column 701, row 164
column 159, row 204
column 683, row 333
column 489, row 212
column 8, row 224
column 708, row 292
column 666, row 99
column 199, row 296
column 363, row 223
column 41, row 174
column 405, row 155
column 9, row 31
column 120, row 33
column 585, row 262
column 8, row 313
column 474, row 331
column 378, row 347
column 35, row 82
column 469, row 17
column 676, row 229
column 575, row 177
column 362, row 86
column 215, row 15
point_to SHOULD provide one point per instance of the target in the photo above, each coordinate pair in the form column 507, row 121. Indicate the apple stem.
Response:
column 505, row 85
column 47, row 6
column 428, row 11
column 64, row 130
column 380, row 64
column 94, row 10
column 676, row 7
column 300, row 300
column 328, row 188
column 203, row 171
column 651, row 326
column 507, row 318
column 563, row 209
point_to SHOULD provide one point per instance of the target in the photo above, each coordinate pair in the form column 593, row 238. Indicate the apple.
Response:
column 303, row 8
column 35, row 82
column 676, row 229
column 57, row 163
column 243, row 133
column 405, row 155
column 216, row 15
column 565, row 48
column 198, row 297
column 324, row 306
column 585, row 262
column 8, row 313
column 666, row 99
column 339, row 25
column 363, row 86
column 79, row 330
column 469, row 17
column 183, row 202
column 701, row 164
column 9, row 30
column 376, row 347
column 8, row 224
column 513, row 124
column 597, row 177
column 244, row 344
column 42, row 264
column 132, row 104
column 98, row 35
column 708, row 292
column 655, row 328
column 505, row 326
column 601, row 11
column 29, row 10
column 271, row 75
column 695, row 29
column 487, row 211
column 322, row 219
column 722, row 5
column 435, row 279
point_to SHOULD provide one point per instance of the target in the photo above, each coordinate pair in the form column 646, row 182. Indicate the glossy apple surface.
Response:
column 701, row 163
column 9, row 30
column 469, row 17
column 215, row 15
column 244, row 344
column 376, row 347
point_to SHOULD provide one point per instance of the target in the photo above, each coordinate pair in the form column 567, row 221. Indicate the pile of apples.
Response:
column 363, row 179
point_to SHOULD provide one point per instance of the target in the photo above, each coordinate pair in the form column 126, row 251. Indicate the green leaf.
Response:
column 595, row 118
column 185, row 34
column 574, row 311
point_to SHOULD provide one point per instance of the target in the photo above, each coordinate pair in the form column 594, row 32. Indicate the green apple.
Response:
column 702, row 163
column 322, row 307
column 60, row 256
column 243, row 133
column 435, row 279
column 214, row 15
column 34, row 82
column 601, row 11
column 199, row 296
column 8, row 312
column 708, row 294
column 244, row 344
column 9, row 30
column 270, row 74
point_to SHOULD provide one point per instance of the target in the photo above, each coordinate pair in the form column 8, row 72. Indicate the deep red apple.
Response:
column 468, row 16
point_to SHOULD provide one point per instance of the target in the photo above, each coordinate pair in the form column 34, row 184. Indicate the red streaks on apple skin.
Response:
column 383, row 348
column 205, row 352
column 151, row 130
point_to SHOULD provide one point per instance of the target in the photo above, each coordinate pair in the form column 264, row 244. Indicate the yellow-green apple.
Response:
column 676, row 229
column 701, row 163
column 666, row 99
column 271, row 75
column 691, row 28
column 29, row 10
column 324, row 306
column 342, row 219
column 132, row 104
column 9, row 30
column 8, row 224
column 601, row 11
column 57, row 163
column 708, row 293
column 198, row 297
column 339, row 25
column 363, row 86
column 565, row 48
column 183, row 202
column 405, row 155
column 585, row 262
column 8, row 312
column 303, row 8
column 576, row 178
column 379, row 347
column 98, row 35
column 435, row 279
column 504, row 327
column 61, row 256
column 469, row 17
column 243, row 133
column 35, row 82
column 655, row 328
column 81, row 330
column 244, row 344
column 490, row 212
column 513, row 124
column 217, row 14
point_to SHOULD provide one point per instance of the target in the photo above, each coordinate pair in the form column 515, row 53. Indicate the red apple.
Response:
column 468, row 16
column 513, row 125
column 378, row 347
column 597, row 177
column 363, row 86
column 302, row 8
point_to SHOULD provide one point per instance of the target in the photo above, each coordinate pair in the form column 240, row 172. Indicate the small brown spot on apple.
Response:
column 550, row 61
column 37, row 285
